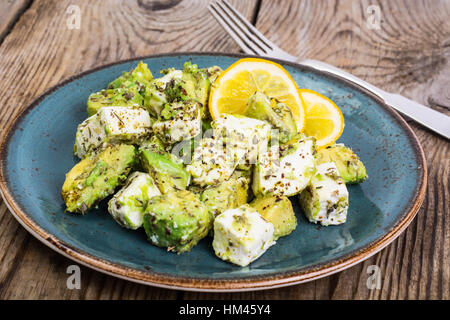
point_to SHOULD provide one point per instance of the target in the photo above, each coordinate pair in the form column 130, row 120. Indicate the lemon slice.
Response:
column 232, row 89
column 324, row 120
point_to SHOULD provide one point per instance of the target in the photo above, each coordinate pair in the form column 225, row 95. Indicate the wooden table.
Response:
column 409, row 53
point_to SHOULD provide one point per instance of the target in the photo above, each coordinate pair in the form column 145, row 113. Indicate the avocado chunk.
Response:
column 278, row 211
column 177, row 220
column 190, row 84
column 197, row 85
column 168, row 173
column 140, row 78
column 226, row 195
column 277, row 114
column 154, row 144
column 350, row 168
column 196, row 190
column 162, row 90
column 123, row 97
column 242, row 174
column 95, row 177
column 128, row 204
column 213, row 73
column 127, row 90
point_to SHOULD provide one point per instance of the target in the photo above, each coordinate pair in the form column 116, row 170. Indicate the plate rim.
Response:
column 260, row 282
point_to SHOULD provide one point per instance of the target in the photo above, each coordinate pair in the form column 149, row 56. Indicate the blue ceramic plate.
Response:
column 37, row 152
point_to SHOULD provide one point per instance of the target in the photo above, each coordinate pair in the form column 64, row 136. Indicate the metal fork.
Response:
column 253, row 42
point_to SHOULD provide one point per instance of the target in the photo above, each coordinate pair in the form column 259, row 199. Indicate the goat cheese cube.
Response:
column 111, row 125
column 128, row 204
column 286, row 170
column 123, row 123
column 211, row 164
column 179, row 121
column 325, row 200
column 241, row 235
column 243, row 136
column 90, row 135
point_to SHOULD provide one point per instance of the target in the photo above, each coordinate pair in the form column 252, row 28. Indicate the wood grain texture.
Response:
column 10, row 11
column 39, row 52
column 409, row 54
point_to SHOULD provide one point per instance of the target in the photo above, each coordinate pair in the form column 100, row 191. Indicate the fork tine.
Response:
column 255, row 31
column 243, row 25
column 232, row 30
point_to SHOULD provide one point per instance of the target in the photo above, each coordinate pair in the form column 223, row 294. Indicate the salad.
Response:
column 211, row 153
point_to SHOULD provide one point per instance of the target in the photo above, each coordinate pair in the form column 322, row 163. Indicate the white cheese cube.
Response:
column 125, row 124
column 285, row 171
column 211, row 164
column 128, row 204
column 325, row 200
column 90, row 135
column 180, row 121
column 241, row 235
column 243, row 136
column 110, row 125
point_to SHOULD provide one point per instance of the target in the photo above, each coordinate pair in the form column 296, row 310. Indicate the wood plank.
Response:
column 38, row 53
column 410, row 54
column 10, row 11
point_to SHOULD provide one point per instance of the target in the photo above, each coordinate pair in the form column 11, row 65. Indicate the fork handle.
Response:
column 432, row 119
